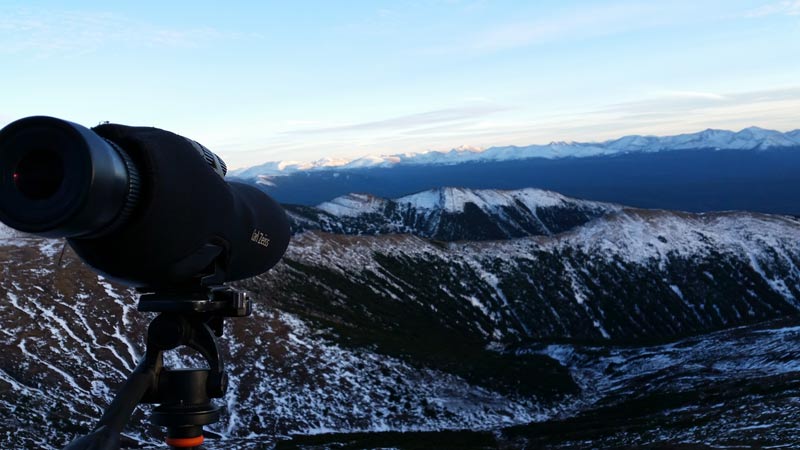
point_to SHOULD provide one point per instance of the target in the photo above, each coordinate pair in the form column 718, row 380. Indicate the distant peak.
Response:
column 468, row 148
column 708, row 131
column 564, row 144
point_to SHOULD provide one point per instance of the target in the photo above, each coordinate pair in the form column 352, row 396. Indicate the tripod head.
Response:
column 194, row 319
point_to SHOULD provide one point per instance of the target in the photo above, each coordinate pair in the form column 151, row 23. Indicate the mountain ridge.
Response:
column 451, row 214
column 600, row 274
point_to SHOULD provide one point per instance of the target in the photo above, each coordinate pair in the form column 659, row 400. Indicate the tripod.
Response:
column 193, row 319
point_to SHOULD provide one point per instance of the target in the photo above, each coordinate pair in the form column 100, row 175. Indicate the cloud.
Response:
column 47, row 32
column 688, row 101
column 671, row 114
column 786, row 7
column 424, row 119
column 691, row 95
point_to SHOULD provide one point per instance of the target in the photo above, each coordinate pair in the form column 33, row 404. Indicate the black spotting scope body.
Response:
column 143, row 206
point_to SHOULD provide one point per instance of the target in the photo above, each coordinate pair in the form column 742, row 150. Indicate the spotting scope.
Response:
column 142, row 206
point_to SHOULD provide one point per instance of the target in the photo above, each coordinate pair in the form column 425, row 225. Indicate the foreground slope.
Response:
column 70, row 338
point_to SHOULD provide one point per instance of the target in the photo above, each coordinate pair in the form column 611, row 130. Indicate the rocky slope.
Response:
column 629, row 276
column 70, row 338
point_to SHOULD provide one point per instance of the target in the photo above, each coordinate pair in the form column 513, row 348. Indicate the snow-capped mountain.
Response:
column 714, row 170
column 451, row 214
column 752, row 138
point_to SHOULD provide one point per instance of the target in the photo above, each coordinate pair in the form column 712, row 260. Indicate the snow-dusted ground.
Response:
column 613, row 374
column 730, row 389
column 646, row 235
column 7, row 233
column 70, row 337
column 454, row 199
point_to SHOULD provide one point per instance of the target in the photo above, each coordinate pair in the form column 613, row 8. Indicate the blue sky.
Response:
column 263, row 81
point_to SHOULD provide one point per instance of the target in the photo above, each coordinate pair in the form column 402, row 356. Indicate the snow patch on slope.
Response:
column 318, row 386
column 646, row 235
column 454, row 199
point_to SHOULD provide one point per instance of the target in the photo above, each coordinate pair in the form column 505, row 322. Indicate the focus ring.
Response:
column 131, row 197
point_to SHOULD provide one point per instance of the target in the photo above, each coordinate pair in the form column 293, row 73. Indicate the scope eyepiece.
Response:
column 60, row 179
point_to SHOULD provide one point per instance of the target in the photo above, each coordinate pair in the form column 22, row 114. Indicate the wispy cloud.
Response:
column 41, row 32
column 786, row 7
column 672, row 104
column 440, row 117
column 668, row 114
column 690, row 95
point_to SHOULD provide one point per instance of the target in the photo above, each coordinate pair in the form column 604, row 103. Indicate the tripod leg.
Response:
column 106, row 436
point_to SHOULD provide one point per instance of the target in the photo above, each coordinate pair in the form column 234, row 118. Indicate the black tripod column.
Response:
column 185, row 407
column 184, row 395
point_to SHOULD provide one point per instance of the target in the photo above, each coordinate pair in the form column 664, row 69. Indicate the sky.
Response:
column 307, row 80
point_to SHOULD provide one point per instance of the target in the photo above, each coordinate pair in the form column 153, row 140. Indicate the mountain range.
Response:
column 750, row 170
column 752, row 138
column 572, row 322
